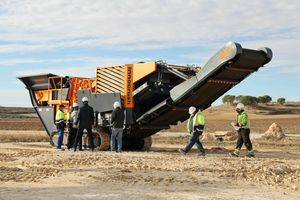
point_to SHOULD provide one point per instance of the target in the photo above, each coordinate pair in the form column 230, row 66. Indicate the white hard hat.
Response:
column 75, row 105
column 240, row 106
column 117, row 104
column 192, row 109
column 84, row 99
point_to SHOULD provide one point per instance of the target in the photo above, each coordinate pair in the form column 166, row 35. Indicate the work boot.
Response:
column 235, row 153
column 182, row 151
column 59, row 149
column 201, row 153
column 250, row 154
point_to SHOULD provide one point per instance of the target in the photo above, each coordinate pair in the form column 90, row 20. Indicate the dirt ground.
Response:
column 31, row 169
column 37, row 171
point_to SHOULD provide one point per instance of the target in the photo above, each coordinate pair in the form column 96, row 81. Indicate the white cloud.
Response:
column 285, row 54
column 34, row 26
column 86, row 68
column 86, row 60
column 285, row 59
column 147, row 24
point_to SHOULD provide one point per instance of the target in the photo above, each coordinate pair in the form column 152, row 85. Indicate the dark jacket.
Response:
column 85, row 116
column 117, row 118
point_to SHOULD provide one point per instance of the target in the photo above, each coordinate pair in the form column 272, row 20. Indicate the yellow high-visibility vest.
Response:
column 60, row 117
column 198, row 120
column 243, row 120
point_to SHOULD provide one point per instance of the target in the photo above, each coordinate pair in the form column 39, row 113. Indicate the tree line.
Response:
column 250, row 100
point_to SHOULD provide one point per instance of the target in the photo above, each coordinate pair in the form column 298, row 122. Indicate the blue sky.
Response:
column 74, row 37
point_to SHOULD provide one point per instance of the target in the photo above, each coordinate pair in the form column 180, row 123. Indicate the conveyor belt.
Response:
column 225, row 69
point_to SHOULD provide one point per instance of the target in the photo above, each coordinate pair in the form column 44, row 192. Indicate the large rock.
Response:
column 274, row 132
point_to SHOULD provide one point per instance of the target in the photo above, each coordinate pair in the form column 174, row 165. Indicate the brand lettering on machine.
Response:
column 129, row 77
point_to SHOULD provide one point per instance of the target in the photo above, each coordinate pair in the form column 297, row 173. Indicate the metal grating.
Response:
column 111, row 80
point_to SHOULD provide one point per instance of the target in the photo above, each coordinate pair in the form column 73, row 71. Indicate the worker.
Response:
column 85, row 120
column 243, row 131
column 69, row 122
column 195, row 127
column 117, row 121
column 60, row 125
column 72, row 127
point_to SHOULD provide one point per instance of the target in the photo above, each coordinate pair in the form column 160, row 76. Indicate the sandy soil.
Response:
column 37, row 171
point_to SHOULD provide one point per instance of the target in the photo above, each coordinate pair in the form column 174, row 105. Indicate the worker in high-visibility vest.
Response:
column 195, row 127
column 243, row 131
column 60, row 125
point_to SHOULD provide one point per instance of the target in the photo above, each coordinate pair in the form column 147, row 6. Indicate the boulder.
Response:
column 274, row 132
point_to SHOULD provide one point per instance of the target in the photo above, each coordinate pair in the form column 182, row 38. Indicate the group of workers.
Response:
column 195, row 127
column 83, row 118
column 80, row 119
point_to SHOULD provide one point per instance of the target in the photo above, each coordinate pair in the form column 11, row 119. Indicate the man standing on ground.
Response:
column 243, row 131
column 60, row 125
column 195, row 127
column 72, row 127
column 85, row 119
column 117, row 121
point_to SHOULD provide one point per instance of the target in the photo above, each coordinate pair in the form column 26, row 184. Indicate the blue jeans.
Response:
column 194, row 139
column 116, row 133
column 60, row 132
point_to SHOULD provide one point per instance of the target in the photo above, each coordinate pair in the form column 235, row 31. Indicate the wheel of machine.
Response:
column 104, row 141
column 96, row 139
column 147, row 143
column 140, row 144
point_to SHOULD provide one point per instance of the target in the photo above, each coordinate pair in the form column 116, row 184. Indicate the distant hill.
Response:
column 217, row 118
column 221, row 111
column 261, row 109
column 17, row 112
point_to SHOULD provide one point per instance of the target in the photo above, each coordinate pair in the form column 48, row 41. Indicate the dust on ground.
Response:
column 36, row 170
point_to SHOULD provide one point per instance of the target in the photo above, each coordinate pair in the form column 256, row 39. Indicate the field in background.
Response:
column 218, row 118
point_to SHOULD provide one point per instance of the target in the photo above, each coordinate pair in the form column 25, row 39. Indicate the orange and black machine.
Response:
column 154, row 95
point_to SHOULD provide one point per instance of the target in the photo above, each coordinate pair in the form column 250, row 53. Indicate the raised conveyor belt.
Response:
column 225, row 69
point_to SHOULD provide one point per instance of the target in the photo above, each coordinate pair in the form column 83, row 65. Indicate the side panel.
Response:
column 46, row 115
column 103, row 103
column 100, row 102
column 141, row 70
